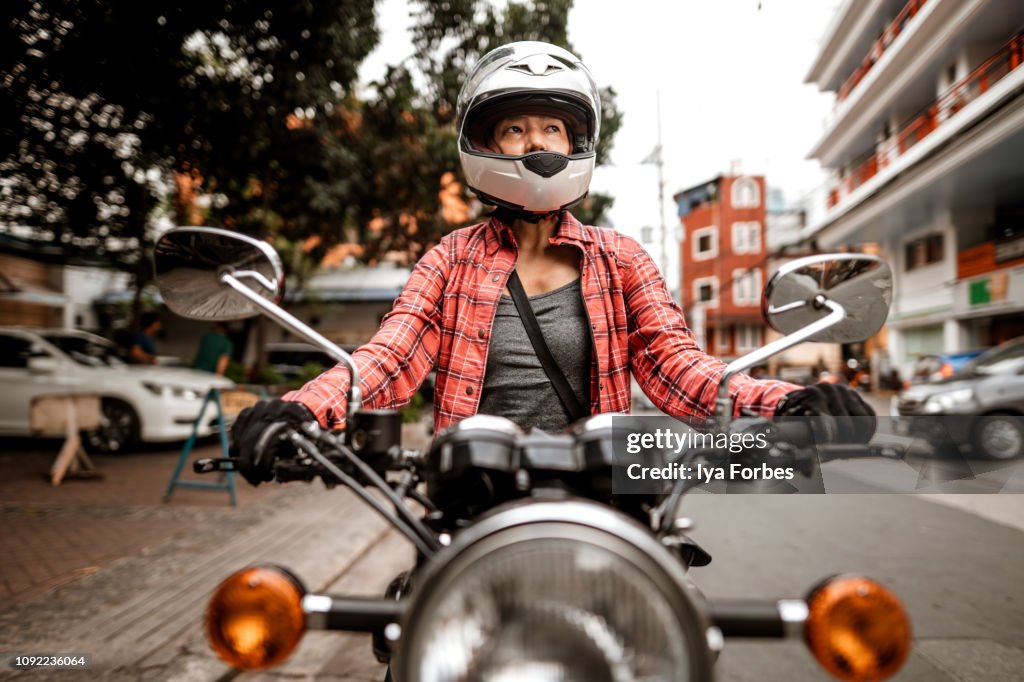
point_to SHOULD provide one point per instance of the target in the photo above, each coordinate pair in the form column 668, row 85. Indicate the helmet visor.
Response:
column 479, row 131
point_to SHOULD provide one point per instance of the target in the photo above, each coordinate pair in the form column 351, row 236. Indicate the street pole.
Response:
column 661, row 193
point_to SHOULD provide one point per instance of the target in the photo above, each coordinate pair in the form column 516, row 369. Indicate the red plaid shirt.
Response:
column 446, row 311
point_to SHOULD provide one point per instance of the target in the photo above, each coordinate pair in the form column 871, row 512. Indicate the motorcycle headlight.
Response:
column 580, row 595
column 943, row 402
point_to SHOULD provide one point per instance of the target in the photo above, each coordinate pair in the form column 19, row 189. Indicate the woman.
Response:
column 529, row 117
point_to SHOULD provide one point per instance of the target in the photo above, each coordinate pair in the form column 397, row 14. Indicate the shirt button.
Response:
column 480, row 333
column 496, row 278
column 469, row 390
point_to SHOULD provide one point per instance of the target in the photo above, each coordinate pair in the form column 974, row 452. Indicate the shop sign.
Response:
column 986, row 290
column 1011, row 249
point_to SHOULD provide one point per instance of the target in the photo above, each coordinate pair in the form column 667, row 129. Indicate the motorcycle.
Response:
column 529, row 564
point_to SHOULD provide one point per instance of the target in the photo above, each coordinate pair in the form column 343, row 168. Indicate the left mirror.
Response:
column 190, row 264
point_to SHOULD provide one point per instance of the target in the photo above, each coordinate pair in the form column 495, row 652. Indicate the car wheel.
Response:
column 118, row 431
column 999, row 436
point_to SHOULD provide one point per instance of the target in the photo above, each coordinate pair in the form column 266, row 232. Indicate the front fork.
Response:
column 396, row 589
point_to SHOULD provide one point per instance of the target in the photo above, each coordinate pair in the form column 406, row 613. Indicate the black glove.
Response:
column 256, row 458
column 841, row 415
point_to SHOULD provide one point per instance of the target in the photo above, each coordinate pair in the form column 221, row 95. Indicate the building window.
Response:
column 721, row 340
column 745, row 193
column 746, row 287
column 646, row 234
column 924, row 251
column 705, row 243
column 705, row 290
column 746, row 237
column 748, row 337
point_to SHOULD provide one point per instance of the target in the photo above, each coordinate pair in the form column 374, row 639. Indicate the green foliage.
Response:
column 268, row 376
column 107, row 99
column 412, row 413
column 474, row 27
column 405, row 150
column 114, row 107
column 592, row 210
column 309, row 371
column 236, row 372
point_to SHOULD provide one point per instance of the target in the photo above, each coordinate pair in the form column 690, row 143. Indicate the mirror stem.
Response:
column 723, row 406
column 296, row 325
column 259, row 277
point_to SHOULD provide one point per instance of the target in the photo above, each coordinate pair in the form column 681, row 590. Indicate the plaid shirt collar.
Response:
column 568, row 231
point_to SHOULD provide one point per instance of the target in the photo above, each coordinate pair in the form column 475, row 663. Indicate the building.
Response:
column 723, row 257
column 346, row 304
column 784, row 223
column 924, row 147
column 41, row 286
column 804, row 362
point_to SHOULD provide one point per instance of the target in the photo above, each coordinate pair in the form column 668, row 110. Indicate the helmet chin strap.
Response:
column 509, row 215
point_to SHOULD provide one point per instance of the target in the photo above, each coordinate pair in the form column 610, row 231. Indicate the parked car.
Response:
column 138, row 402
column 990, row 388
column 288, row 359
column 939, row 366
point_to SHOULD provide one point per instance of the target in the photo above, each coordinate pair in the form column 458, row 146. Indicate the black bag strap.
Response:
column 555, row 374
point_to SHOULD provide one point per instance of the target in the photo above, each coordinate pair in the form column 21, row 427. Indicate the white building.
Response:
column 47, row 293
column 925, row 147
column 346, row 304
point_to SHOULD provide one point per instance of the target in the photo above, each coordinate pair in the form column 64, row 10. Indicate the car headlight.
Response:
column 554, row 599
column 943, row 402
column 167, row 391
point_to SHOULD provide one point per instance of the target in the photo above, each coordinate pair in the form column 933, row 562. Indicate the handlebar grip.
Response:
column 795, row 431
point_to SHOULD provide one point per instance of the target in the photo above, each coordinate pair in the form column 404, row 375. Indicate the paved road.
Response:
column 959, row 575
column 955, row 559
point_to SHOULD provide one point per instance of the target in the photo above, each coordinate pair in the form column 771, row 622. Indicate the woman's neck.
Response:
column 533, row 238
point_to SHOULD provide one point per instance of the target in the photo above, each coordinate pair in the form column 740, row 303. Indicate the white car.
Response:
column 139, row 403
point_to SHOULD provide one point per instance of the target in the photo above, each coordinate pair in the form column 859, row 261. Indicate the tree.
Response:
column 476, row 27
column 412, row 191
column 124, row 111
column 120, row 105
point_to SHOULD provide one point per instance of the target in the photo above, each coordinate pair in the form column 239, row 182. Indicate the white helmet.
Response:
column 532, row 77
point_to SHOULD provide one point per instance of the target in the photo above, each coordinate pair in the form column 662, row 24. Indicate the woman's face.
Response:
column 524, row 133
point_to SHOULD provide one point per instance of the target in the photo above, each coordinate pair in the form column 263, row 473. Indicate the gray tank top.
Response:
column 515, row 384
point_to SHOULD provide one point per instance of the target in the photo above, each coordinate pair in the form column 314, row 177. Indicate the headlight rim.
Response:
column 503, row 528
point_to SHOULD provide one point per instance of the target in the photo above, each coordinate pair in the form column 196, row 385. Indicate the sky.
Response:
column 729, row 75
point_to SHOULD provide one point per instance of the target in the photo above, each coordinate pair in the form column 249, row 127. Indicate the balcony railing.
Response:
column 952, row 100
column 878, row 47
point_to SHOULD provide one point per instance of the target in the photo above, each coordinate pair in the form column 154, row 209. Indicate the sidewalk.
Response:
column 56, row 534
column 105, row 568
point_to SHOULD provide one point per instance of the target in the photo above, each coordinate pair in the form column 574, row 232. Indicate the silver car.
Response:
column 981, row 405
column 139, row 403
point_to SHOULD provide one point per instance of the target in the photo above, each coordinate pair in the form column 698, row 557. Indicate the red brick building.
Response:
column 723, row 256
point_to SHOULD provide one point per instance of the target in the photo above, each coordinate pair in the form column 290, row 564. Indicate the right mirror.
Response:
column 860, row 283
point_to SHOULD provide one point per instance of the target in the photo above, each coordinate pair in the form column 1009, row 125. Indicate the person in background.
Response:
column 215, row 350
column 143, row 349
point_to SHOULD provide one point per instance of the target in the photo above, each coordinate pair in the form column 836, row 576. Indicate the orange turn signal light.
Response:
column 254, row 619
column 857, row 629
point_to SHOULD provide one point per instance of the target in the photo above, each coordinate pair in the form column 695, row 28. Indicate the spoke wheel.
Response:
column 118, row 431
